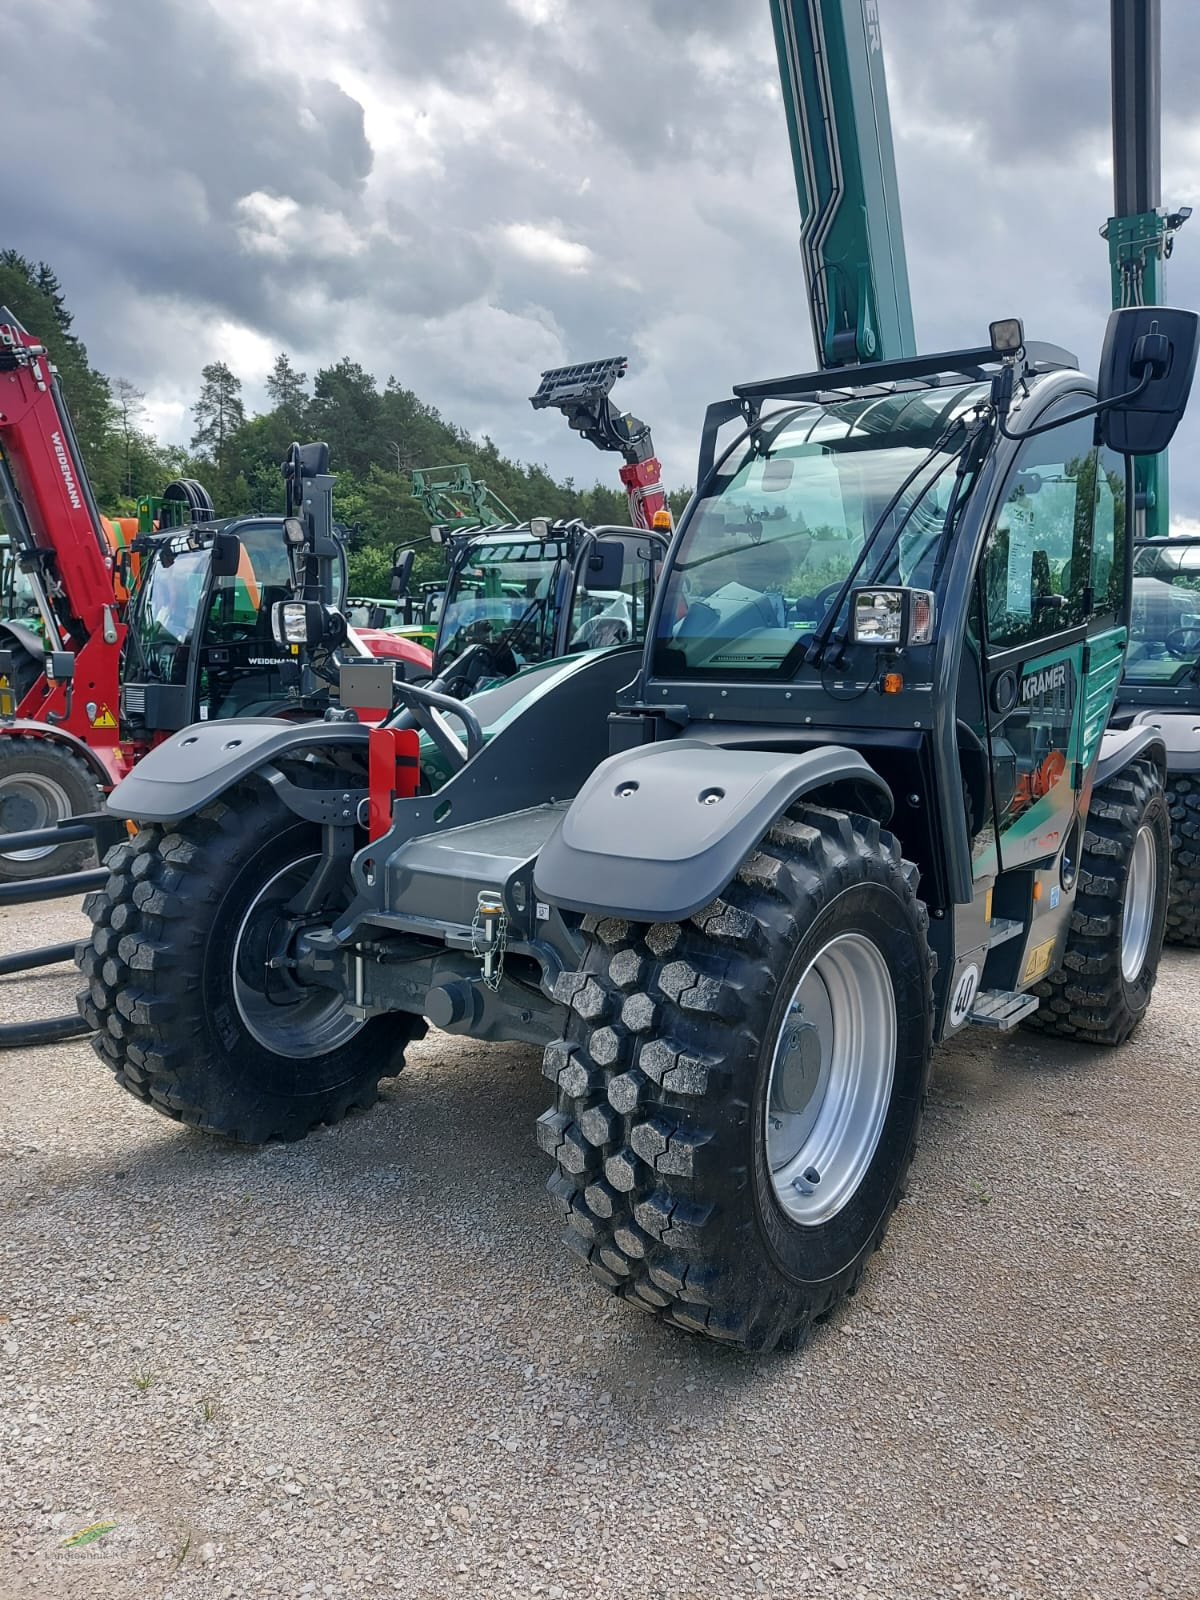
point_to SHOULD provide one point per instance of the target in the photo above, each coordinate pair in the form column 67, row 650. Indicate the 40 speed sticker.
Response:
column 963, row 998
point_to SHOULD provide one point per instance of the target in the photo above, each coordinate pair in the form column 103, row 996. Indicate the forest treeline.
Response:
column 377, row 436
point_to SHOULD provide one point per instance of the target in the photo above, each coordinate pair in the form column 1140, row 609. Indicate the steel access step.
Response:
column 1002, row 1008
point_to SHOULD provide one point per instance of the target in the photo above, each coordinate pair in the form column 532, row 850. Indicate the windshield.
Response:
column 1164, row 631
column 765, row 552
column 504, row 590
column 165, row 617
column 239, row 611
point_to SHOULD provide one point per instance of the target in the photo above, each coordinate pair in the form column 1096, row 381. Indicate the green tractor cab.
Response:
column 736, row 883
column 527, row 593
column 1160, row 689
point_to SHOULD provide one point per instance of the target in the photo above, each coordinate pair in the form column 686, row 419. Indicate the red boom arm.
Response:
column 53, row 521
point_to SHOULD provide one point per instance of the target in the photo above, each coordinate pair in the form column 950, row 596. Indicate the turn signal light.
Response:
column 891, row 683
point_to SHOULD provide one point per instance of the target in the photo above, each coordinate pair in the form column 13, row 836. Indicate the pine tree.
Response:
column 286, row 387
column 219, row 412
column 129, row 402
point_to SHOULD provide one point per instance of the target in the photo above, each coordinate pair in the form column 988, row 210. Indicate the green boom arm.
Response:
column 835, row 100
column 1141, row 233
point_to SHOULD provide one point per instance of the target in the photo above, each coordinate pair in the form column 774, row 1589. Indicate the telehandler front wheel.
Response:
column 1102, row 989
column 190, row 1004
column 738, row 1095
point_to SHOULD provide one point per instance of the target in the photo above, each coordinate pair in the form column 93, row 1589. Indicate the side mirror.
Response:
column 1150, row 349
column 605, row 564
column 313, row 459
column 59, row 666
column 226, row 555
column 402, row 572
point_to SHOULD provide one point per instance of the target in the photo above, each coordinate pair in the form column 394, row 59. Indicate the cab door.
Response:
column 1038, row 599
column 614, row 580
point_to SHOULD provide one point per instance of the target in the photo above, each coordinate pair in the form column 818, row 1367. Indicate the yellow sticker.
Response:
column 1037, row 962
column 104, row 719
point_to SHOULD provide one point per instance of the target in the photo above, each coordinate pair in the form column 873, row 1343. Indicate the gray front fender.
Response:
column 657, row 832
column 181, row 775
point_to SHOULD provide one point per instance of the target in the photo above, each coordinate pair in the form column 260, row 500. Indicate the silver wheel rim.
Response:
column 1137, row 919
column 301, row 1022
column 831, row 1079
column 47, row 800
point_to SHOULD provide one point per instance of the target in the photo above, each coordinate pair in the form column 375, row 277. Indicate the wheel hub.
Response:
column 31, row 800
column 285, row 1016
column 830, row 1083
column 1141, row 892
column 798, row 1067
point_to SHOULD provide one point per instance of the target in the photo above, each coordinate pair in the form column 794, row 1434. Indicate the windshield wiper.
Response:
column 817, row 645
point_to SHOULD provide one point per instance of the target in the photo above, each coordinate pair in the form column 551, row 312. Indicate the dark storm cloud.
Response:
column 550, row 182
column 138, row 171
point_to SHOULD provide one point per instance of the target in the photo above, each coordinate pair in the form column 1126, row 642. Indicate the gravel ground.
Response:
column 364, row 1366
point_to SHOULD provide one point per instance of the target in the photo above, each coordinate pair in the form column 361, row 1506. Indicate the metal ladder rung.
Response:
column 1002, row 928
column 1002, row 1008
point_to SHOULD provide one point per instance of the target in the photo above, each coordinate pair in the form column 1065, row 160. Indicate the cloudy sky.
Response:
column 462, row 192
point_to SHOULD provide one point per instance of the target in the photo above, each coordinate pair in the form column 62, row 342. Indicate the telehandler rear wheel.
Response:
column 1102, row 989
column 1183, row 907
column 42, row 783
column 738, row 1095
column 186, row 1009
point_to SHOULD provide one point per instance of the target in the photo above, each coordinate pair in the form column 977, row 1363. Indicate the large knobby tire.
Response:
column 182, row 1006
column 1183, row 907
column 42, row 783
column 689, row 1047
column 1102, row 989
column 27, row 669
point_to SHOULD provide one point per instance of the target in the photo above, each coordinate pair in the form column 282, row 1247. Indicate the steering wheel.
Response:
column 428, row 709
column 1183, row 643
column 825, row 597
column 600, row 632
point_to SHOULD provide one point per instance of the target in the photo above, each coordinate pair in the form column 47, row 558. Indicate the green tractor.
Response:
column 1160, row 689
column 736, row 883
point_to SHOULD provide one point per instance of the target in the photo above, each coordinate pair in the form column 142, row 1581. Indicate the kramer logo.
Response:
column 64, row 466
column 1048, row 681
column 871, row 19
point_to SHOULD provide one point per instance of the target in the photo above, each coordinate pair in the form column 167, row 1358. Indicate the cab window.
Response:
column 1037, row 566
column 612, row 594
column 1108, row 533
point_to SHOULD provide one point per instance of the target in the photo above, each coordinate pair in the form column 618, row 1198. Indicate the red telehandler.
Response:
column 193, row 642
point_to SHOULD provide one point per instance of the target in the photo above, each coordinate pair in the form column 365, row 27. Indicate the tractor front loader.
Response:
column 854, row 794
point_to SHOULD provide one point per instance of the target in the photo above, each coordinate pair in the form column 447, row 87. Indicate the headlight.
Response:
column 297, row 622
column 878, row 616
column 289, row 622
column 891, row 616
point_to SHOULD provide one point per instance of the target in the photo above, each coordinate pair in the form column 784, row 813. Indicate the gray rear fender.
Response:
column 198, row 764
column 657, row 832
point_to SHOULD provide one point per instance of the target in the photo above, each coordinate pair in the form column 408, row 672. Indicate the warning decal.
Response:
column 104, row 719
column 1038, row 961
